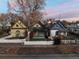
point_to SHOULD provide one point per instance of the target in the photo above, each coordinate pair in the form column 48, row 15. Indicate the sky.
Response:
column 53, row 8
column 3, row 6
column 62, row 8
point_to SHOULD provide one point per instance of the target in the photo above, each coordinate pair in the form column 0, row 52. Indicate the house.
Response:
column 72, row 27
column 8, row 25
column 58, row 28
column 1, row 26
column 19, row 29
column 37, row 27
column 37, row 31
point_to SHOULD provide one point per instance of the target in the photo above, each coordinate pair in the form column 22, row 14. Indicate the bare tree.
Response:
column 31, row 9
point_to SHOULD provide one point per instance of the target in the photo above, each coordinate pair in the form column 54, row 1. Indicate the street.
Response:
column 41, row 57
column 20, row 51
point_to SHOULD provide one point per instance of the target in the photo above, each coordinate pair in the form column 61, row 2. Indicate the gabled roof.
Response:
column 19, row 19
column 39, row 23
column 58, row 26
column 19, row 25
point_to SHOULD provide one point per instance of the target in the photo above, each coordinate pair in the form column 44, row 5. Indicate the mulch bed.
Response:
column 40, row 50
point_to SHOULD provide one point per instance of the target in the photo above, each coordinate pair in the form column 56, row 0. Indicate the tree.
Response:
column 31, row 10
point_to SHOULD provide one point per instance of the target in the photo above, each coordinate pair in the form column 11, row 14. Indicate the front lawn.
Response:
column 38, row 39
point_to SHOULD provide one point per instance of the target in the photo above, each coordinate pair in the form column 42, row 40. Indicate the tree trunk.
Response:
column 28, row 37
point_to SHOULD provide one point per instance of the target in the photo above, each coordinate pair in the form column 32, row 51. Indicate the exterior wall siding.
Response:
column 22, row 31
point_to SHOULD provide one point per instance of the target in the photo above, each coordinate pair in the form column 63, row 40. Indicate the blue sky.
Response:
column 3, row 6
column 63, row 8
column 53, row 3
column 53, row 7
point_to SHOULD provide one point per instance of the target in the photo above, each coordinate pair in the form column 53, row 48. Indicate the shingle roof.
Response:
column 58, row 26
column 20, row 19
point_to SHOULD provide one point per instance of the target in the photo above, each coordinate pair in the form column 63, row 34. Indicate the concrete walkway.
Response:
column 11, row 41
column 38, row 42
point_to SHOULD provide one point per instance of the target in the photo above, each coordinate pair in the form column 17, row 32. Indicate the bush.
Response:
column 1, row 32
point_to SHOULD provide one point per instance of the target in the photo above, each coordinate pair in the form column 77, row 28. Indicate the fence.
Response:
column 68, row 41
column 71, row 39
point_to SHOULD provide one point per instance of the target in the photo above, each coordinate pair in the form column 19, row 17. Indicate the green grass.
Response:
column 38, row 39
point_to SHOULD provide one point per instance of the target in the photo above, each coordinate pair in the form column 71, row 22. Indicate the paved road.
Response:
column 40, row 57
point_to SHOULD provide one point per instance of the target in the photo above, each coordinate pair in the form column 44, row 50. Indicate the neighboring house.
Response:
column 19, row 29
column 5, row 26
column 8, row 25
column 72, row 27
column 1, row 26
column 37, row 32
column 58, row 28
column 37, row 25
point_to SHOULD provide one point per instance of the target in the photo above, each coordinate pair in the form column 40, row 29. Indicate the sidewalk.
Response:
column 11, row 41
column 4, row 40
column 38, row 42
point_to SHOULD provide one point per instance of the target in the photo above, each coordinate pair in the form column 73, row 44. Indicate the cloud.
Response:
column 65, row 9
column 76, row 0
column 50, row 11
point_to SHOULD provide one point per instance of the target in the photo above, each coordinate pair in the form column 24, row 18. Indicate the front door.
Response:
column 17, row 33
